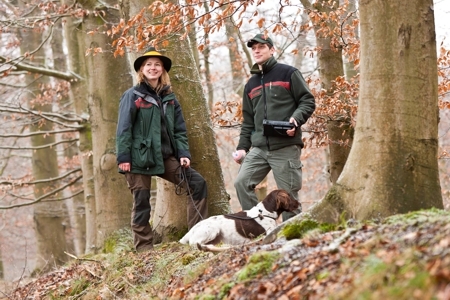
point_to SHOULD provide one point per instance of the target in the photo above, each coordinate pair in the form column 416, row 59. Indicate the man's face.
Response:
column 261, row 52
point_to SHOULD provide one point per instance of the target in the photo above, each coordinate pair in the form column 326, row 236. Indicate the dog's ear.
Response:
column 282, row 199
column 285, row 201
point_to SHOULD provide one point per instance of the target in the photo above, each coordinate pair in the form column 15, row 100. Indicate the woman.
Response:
column 151, row 140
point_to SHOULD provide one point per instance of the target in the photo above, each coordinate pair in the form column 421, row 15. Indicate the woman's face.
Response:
column 152, row 68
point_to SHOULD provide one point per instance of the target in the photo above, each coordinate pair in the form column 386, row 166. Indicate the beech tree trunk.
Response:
column 349, row 66
column 74, row 39
column 331, row 67
column 107, row 78
column 75, row 205
column 392, row 167
column 186, row 85
column 48, row 216
column 170, row 211
column 202, row 143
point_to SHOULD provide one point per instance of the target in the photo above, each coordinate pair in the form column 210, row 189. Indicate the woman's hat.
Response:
column 151, row 52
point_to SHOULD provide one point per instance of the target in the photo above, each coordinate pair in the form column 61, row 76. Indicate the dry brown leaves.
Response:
column 411, row 254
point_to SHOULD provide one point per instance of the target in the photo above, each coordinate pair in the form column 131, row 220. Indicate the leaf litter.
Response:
column 403, row 257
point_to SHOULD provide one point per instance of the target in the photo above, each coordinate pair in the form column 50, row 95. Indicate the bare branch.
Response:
column 19, row 65
column 48, row 180
column 10, row 6
column 43, row 197
column 40, row 114
column 47, row 115
column 39, row 147
column 68, row 76
column 40, row 132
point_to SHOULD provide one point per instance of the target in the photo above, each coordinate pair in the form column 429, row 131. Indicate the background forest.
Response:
column 64, row 65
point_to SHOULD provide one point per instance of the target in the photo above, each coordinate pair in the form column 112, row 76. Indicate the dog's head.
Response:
column 280, row 201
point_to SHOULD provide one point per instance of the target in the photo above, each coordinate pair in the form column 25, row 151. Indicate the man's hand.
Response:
column 185, row 162
column 291, row 132
column 126, row 167
column 239, row 155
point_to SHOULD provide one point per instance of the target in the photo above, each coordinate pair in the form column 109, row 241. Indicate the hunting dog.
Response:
column 241, row 227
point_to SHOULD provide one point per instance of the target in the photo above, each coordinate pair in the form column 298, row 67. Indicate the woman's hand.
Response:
column 126, row 167
column 185, row 162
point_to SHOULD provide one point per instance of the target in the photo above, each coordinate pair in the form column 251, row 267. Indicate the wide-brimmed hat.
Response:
column 151, row 52
column 260, row 38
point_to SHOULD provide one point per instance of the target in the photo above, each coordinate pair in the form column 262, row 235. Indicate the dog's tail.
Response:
column 213, row 248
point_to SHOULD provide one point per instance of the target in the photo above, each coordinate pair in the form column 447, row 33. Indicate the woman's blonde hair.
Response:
column 163, row 81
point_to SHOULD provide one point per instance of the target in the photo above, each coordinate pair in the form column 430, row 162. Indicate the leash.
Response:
column 260, row 216
column 179, row 187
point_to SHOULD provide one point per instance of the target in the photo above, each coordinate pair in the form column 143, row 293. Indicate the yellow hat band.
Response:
column 152, row 53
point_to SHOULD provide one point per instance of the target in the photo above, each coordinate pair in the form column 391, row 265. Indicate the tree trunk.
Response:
column 2, row 274
column 108, row 77
column 301, row 42
column 238, row 75
column 329, row 58
column 392, row 167
column 340, row 139
column 186, row 84
column 188, row 89
column 208, row 75
column 170, row 211
column 205, row 159
column 48, row 220
column 74, row 39
column 349, row 66
column 75, row 205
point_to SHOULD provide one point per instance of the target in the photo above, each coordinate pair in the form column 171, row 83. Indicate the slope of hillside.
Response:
column 403, row 257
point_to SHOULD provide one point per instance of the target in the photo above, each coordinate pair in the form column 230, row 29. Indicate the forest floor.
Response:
column 402, row 257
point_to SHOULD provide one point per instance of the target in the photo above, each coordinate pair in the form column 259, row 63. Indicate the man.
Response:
column 275, row 92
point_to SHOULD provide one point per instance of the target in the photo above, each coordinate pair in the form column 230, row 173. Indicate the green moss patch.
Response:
column 297, row 230
column 258, row 264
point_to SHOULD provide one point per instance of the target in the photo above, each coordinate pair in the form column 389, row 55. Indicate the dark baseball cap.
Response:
column 260, row 38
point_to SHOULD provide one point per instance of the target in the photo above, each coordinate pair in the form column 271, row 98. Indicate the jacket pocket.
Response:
column 142, row 155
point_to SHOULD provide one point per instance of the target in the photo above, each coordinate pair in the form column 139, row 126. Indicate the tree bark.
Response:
column 170, row 211
column 47, row 216
column 187, row 86
column 349, row 66
column 75, row 205
column 74, row 39
column 107, row 78
column 330, row 68
column 392, row 167
column 208, row 74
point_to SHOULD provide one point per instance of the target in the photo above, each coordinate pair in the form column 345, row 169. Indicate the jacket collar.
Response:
column 145, row 88
column 267, row 66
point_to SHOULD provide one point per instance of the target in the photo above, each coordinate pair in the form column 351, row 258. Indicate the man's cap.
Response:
column 260, row 38
column 151, row 52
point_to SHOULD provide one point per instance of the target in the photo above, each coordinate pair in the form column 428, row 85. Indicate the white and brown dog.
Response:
column 241, row 227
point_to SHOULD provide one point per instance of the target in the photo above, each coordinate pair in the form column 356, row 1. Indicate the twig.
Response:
column 334, row 245
column 43, row 196
column 48, row 180
column 39, row 147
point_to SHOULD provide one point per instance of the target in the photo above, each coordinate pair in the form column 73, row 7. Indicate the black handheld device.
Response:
column 276, row 128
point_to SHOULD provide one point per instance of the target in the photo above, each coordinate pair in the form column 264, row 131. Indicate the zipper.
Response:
column 265, row 105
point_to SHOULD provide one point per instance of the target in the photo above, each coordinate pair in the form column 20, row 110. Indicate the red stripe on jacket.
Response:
column 257, row 90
